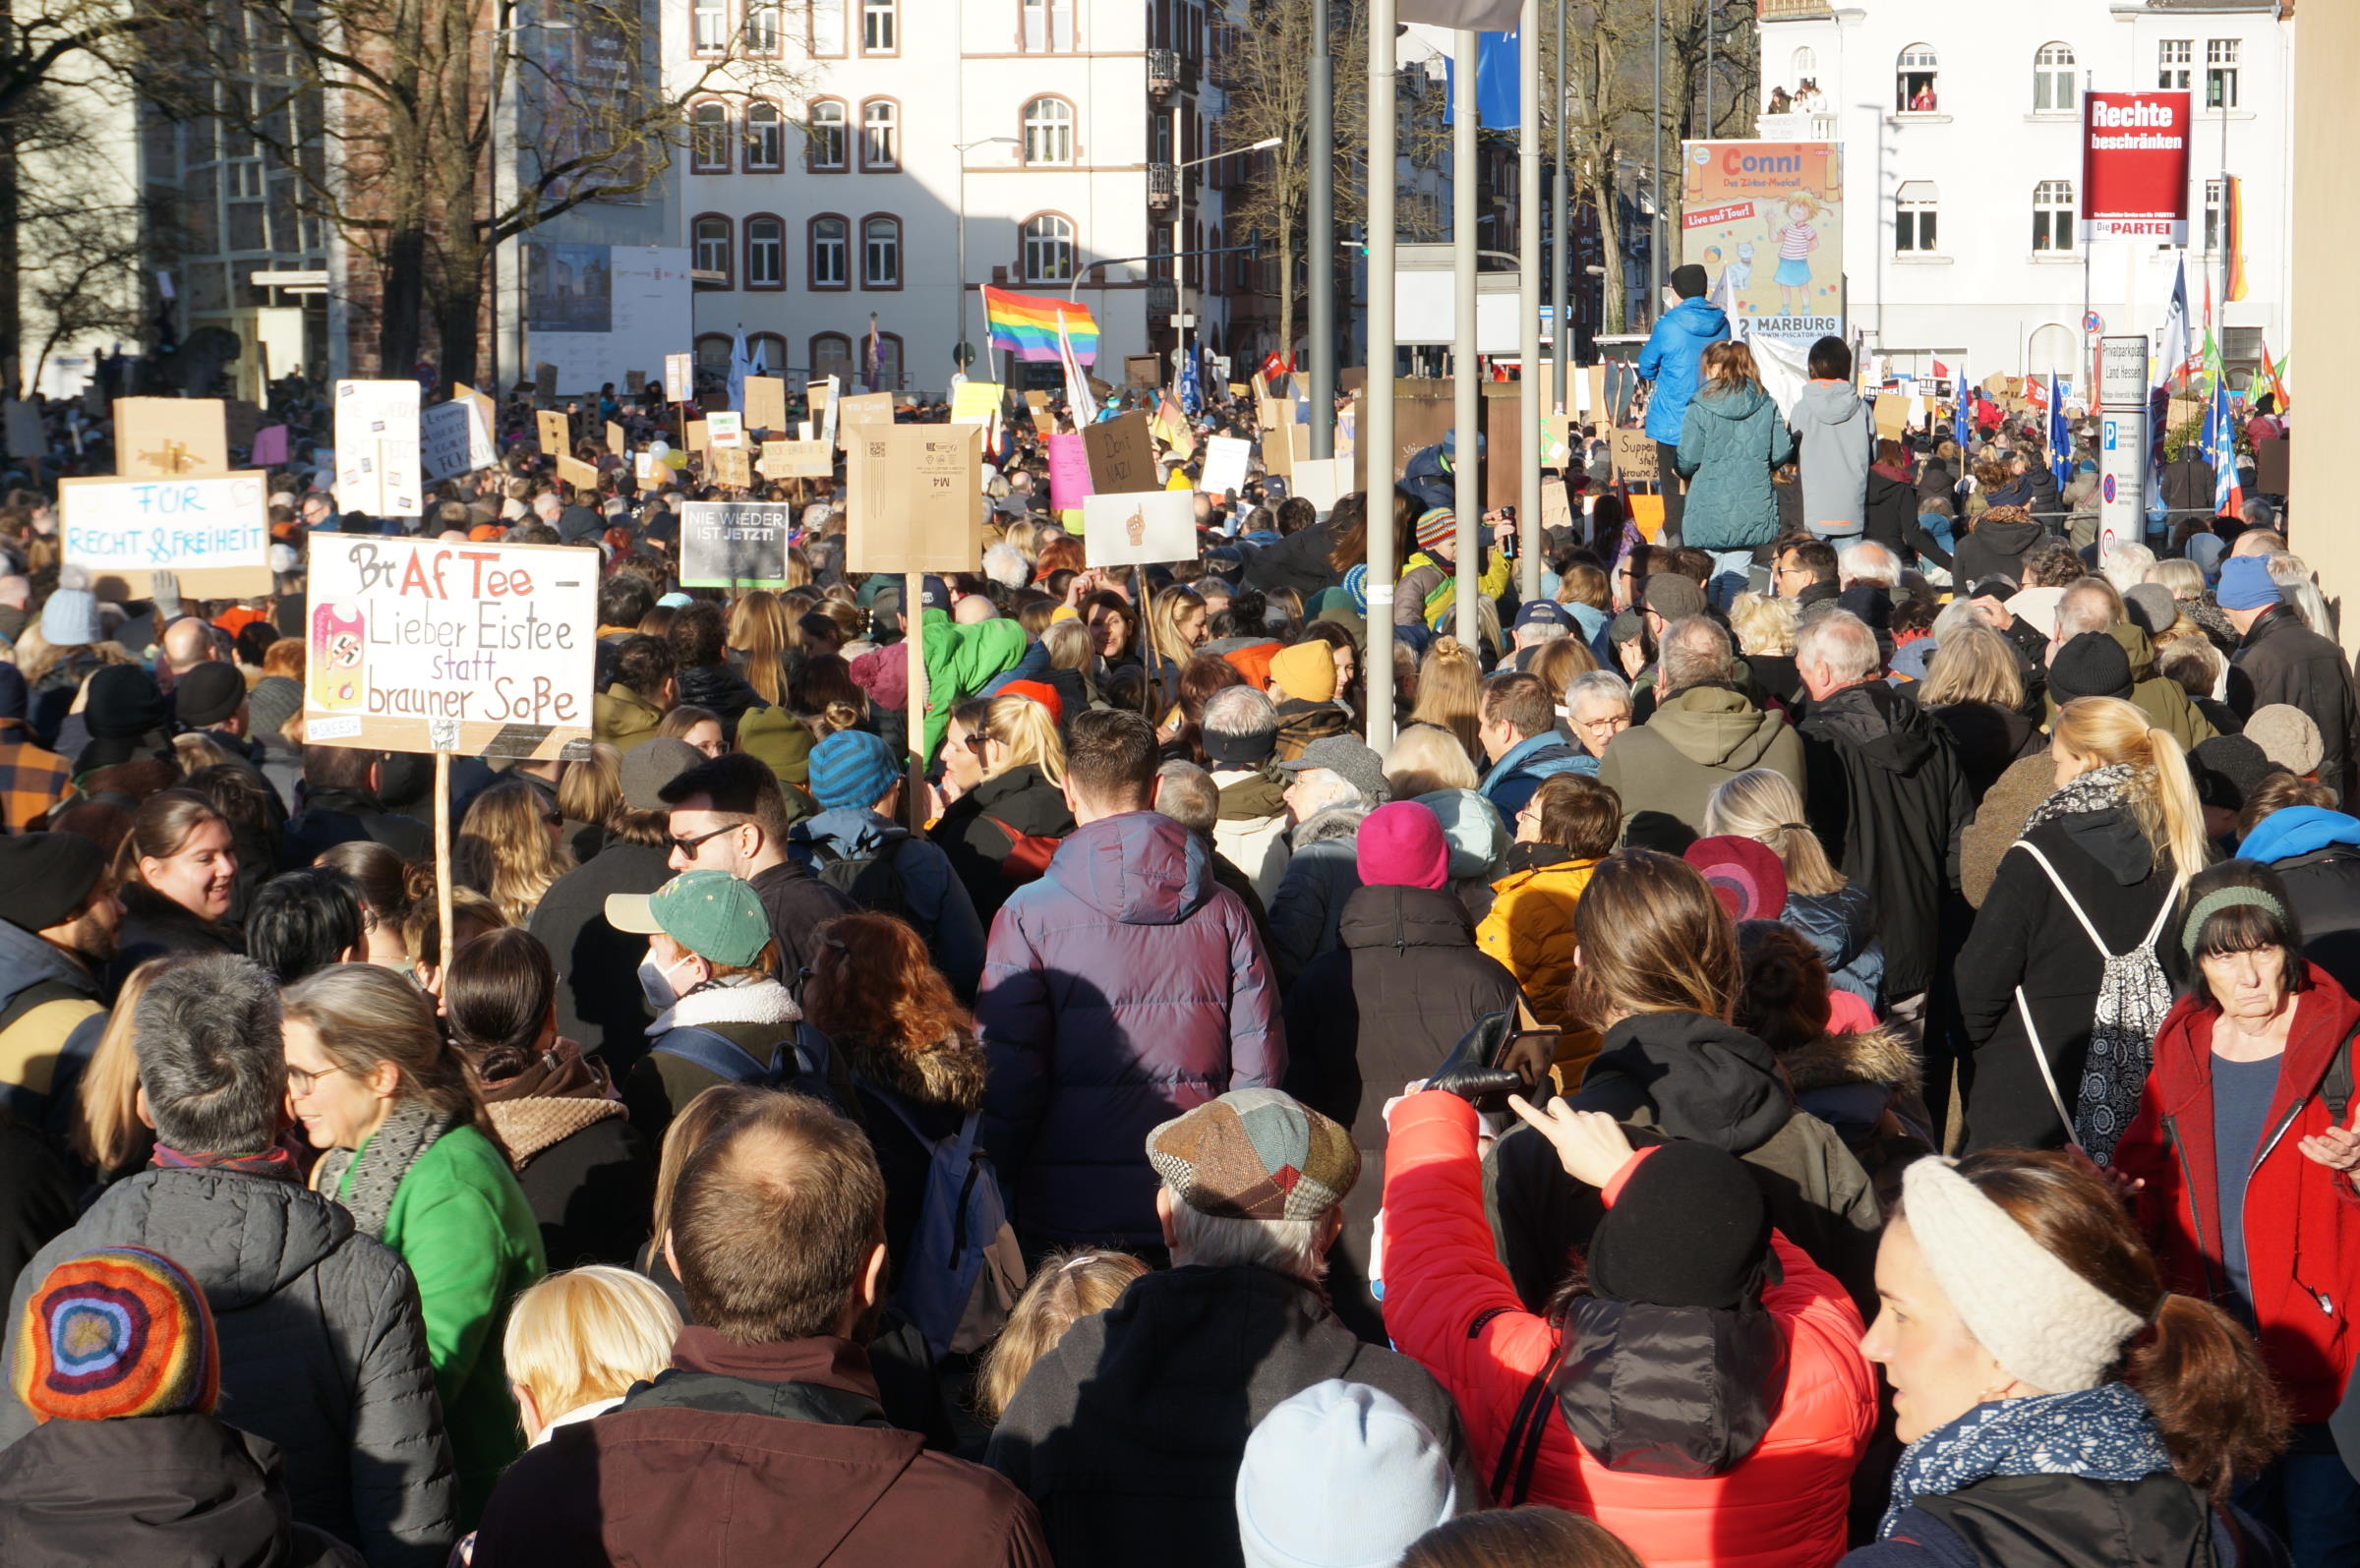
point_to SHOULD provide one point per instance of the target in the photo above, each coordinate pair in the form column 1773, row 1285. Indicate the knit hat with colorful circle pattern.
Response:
column 117, row 1332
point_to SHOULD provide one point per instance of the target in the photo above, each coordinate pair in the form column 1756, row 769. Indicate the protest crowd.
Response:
column 1825, row 1038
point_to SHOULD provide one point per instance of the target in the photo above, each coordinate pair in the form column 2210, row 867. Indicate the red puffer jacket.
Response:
column 1449, row 1304
column 2302, row 1220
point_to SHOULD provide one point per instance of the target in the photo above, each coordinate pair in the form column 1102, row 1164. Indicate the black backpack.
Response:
column 873, row 881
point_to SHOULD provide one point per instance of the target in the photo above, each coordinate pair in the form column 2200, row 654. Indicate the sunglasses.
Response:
column 689, row 847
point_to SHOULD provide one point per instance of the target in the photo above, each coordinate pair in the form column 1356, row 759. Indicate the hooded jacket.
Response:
column 758, row 1016
column 1451, row 1306
column 330, row 817
column 1730, row 440
column 974, row 832
column 1697, row 740
column 1298, row 562
column 960, row 661
column 2301, row 1221
column 1672, row 359
column 1834, row 446
column 1124, row 987
column 623, row 719
column 721, row 691
column 1842, row 925
column 2316, row 854
column 1996, row 548
column 1322, row 868
column 599, row 1001
column 776, row 1454
column 322, row 1349
column 1849, row 1079
column 2281, row 660
column 2162, row 699
column 1887, row 797
column 1529, row 928
column 1250, row 831
column 181, row 1489
column 1690, row 1077
column 1517, row 776
column 46, row 996
column 1129, row 1433
column 585, row 1169
column 936, row 900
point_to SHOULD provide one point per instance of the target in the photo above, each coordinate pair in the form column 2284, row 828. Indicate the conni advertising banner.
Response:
column 2134, row 166
column 1765, row 220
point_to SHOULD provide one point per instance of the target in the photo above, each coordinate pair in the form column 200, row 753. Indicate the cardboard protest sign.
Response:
column 1069, row 472
column 765, row 403
column 797, row 460
column 1225, row 467
column 1143, row 370
column 617, row 442
column 377, row 448
column 1122, row 454
column 1139, row 529
column 733, row 465
column 976, row 402
column 1319, row 481
column 545, row 378
column 580, row 474
column 452, row 439
column 1892, row 415
column 1555, row 510
column 734, row 543
column 680, row 378
column 171, row 438
column 694, row 437
column 1043, row 422
column 915, row 497
column 553, row 432
column 724, row 430
column 649, row 469
column 1634, row 457
column 416, row 645
column 214, row 532
column 864, row 408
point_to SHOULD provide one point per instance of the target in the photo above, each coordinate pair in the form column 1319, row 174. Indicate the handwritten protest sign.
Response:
column 377, row 448
column 724, row 430
column 734, row 543
column 733, row 465
column 1122, row 454
column 416, row 645
column 864, row 408
column 798, row 459
column 1225, row 467
column 214, row 532
column 1069, row 472
column 554, row 434
column 765, row 403
column 680, row 378
column 580, row 474
column 1139, row 529
column 452, row 439
column 915, row 497
column 976, row 402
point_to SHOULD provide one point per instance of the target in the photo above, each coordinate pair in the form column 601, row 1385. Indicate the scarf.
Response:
column 274, row 1162
column 2098, row 790
column 560, row 1073
column 377, row 1166
column 2104, row 1433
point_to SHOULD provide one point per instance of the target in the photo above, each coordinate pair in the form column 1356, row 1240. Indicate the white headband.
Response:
column 2043, row 1323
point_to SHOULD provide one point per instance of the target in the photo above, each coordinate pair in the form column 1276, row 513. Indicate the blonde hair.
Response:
column 1424, row 759
column 1450, row 691
column 1163, row 623
column 1974, row 663
column 195, row 750
column 366, row 1015
column 592, row 790
column 1068, row 643
column 1763, row 805
column 503, row 848
column 2184, row 578
column 1763, row 624
column 587, row 1334
column 1067, row 1288
column 760, row 630
column 1024, row 728
column 2106, row 732
column 103, row 1125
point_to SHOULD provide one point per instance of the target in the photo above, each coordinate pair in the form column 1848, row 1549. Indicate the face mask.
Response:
column 655, row 983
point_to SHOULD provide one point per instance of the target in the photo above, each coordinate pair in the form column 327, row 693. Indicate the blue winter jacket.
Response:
column 938, row 903
column 1671, row 361
column 1843, row 927
column 1514, row 778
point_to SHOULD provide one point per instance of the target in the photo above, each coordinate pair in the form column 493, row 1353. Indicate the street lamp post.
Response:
column 960, row 352
column 1319, row 135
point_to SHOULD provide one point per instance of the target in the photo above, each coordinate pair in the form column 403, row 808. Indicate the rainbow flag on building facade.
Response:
column 1026, row 325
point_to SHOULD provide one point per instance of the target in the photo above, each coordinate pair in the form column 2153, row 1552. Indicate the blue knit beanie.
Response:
column 2245, row 584
column 852, row 768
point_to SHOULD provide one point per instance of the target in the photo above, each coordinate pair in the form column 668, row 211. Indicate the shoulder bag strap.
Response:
column 2048, row 1080
column 2096, row 941
column 1520, row 1451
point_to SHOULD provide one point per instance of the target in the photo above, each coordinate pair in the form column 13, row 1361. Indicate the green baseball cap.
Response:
column 712, row 913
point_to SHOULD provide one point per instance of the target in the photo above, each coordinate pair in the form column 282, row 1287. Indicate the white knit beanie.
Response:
column 1341, row 1476
column 2043, row 1323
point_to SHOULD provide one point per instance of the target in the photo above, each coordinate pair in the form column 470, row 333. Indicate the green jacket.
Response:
column 962, row 660
column 1729, row 443
column 468, row 1235
column 623, row 719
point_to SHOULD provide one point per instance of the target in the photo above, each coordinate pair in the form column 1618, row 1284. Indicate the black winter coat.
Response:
column 1298, row 562
column 970, row 833
column 2025, row 936
column 1994, row 549
column 592, row 1191
column 721, row 690
column 2323, row 888
column 1383, row 1008
column 599, row 1001
column 2070, row 1522
column 330, row 817
column 153, row 926
column 183, row 1488
column 2281, row 660
column 1890, row 520
column 1888, row 799
column 1987, row 739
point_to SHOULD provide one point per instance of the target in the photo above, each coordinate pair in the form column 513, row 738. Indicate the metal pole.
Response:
column 1179, row 247
column 959, row 343
column 1319, row 244
column 1466, row 385
column 1711, row 21
column 1561, row 290
column 1655, row 206
column 1528, row 302
column 492, row 234
column 1375, row 439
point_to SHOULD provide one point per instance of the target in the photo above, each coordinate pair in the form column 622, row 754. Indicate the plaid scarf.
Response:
column 274, row 1162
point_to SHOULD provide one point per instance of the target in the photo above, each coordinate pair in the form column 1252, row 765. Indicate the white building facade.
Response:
column 1045, row 129
column 1962, row 166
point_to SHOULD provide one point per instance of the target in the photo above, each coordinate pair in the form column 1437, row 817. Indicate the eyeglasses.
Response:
column 689, row 847
column 301, row 1081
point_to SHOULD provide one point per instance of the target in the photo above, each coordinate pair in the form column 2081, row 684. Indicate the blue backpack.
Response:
column 965, row 1270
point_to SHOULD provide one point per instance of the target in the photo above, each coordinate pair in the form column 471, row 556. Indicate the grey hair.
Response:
column 2296, row 586
column 2126, row 568
column 1188, row 795
column 211, row 1057
column 2259, row 514
column 1216, row 1241
column 1240, row 711
column 1005, row 565
column 1841, row 641
column 1596, row 685
column 1869, row 562
column 2078, row 607
column 1541, row 631
column 1694, row 649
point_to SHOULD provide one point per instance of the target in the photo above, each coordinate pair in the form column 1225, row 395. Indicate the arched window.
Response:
column 889, row 362
column 1048, row 249
column 713, row 353
column 2054, row 90
column 765, row 138
column 2053, row 216
column 1913, row 80
column 825, row 135
column 1805, row 66
column 881, row 253
column 710, row 234
column 831, row 241
column 1048, row 130
column 766, row 252
column 2054, row 350
column 709, row 139
column 880, row 135
column 831, row 355
column 1916, row 209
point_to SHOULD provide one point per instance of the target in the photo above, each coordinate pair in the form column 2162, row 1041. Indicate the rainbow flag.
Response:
column 1027, row 325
